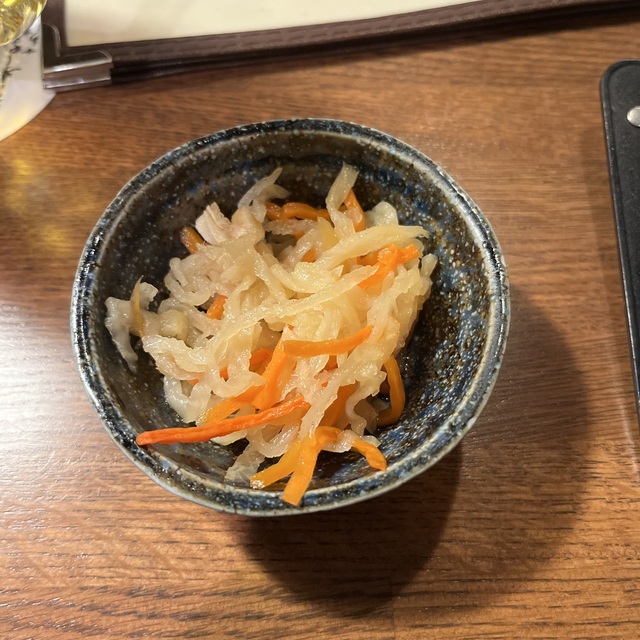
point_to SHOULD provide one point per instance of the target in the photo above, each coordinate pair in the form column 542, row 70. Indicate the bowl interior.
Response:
column 449, row 365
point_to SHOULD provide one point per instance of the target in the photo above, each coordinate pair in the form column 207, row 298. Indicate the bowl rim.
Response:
column 346, row 493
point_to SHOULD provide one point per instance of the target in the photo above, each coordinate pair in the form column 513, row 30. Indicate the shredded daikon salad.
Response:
column 281, row 328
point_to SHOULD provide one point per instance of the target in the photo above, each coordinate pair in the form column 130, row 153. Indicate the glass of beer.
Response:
column 16, row 16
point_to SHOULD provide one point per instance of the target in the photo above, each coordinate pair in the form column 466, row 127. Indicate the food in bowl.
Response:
column 281, row 328
column 449, row 366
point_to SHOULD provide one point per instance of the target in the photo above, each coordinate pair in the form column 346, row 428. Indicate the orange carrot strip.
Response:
column 229, row 406
column 303, row 211
column 332, row 363
column 281, row 469
column 355, row 211
column 308, row 349
column 258, row 419
column 301, row 459
column 370, row 259
column 388, row 259
column 295, row 210
column 223, row 410
column 396, row 394
column 310, row 256
column 216, row 308
column 327, row 430
column 306, row 463
column 386, row 262
column 258, row 357
column 191, row 239
column 336, row 409
column 374, row 456
column 221, row 427
column 408, row 253
column 137, row 311
column 274, row 379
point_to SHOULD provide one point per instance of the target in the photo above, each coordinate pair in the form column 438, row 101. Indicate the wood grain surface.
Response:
column 529, row 529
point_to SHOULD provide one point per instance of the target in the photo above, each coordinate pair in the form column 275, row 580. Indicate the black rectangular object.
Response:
column 620, row 95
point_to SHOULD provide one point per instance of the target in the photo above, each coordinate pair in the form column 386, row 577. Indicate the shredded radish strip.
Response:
column 137, row 311
column 279, row 327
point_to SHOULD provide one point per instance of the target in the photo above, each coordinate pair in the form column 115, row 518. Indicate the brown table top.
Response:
column 529, row 529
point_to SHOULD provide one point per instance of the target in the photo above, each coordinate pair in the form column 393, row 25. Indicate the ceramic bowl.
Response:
column 451, row 363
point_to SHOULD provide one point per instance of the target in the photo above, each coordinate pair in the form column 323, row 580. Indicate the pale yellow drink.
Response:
column 16, row 16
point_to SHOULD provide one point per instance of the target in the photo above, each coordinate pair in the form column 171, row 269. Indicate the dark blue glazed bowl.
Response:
column 450, row 365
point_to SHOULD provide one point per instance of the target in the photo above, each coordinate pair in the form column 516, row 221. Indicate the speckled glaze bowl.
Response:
column 451, row 362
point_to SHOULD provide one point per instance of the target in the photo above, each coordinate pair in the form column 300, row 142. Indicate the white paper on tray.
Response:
column 93, row 22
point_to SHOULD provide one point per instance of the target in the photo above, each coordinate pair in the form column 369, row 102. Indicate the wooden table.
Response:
column 529, row 529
